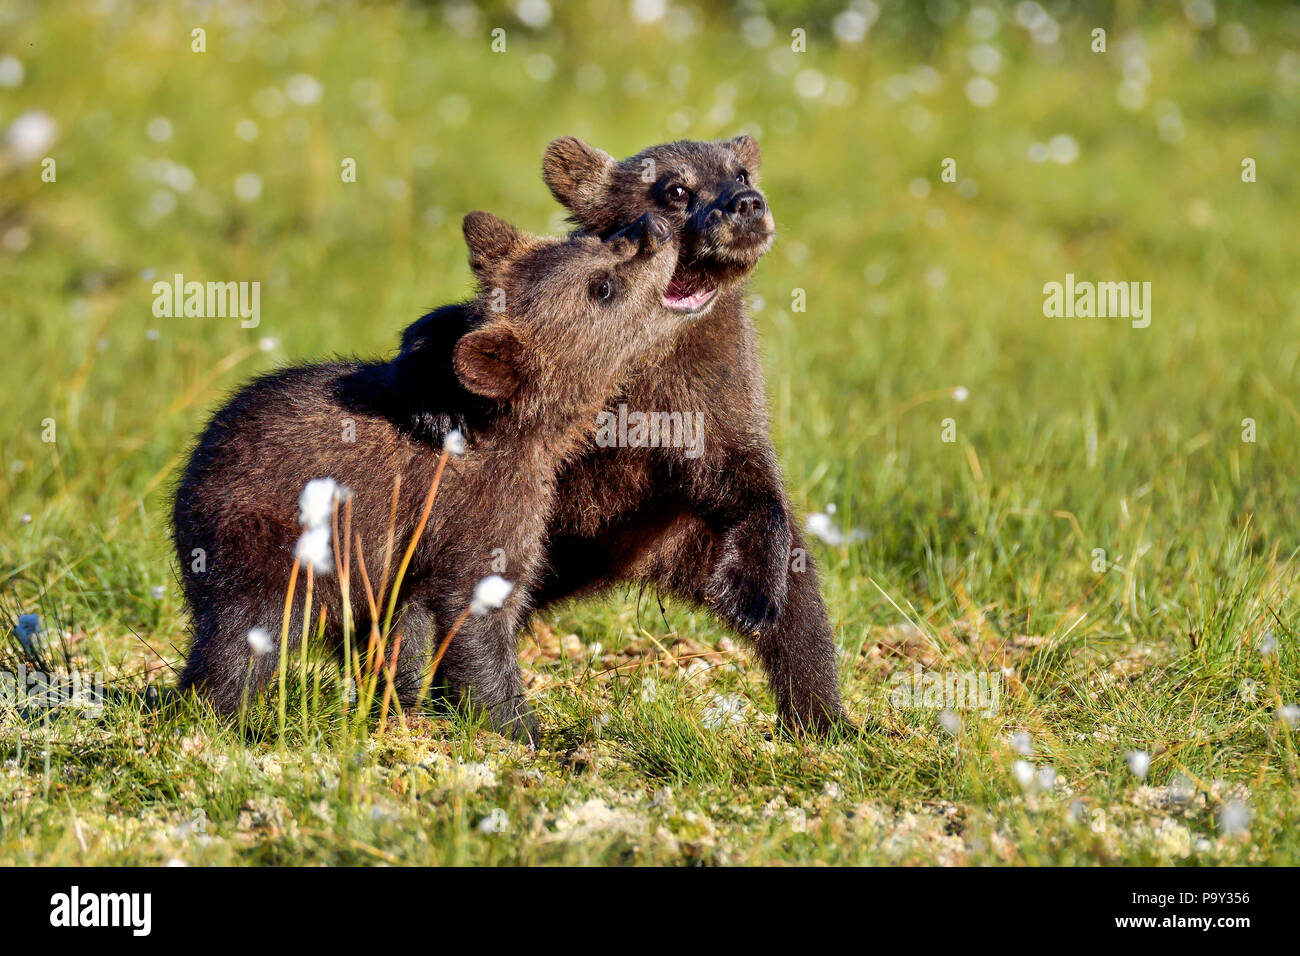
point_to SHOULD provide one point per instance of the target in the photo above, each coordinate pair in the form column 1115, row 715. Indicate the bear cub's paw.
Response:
column 515, row 720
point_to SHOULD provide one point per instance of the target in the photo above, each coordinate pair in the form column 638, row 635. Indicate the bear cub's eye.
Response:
column 602, row 290
column 678, row 193
column 743, row 177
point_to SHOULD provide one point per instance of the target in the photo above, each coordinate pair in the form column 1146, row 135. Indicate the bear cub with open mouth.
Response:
column 708, row 522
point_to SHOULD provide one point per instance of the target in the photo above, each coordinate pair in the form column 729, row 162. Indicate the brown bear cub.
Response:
column 537, row 355
column 715, row 528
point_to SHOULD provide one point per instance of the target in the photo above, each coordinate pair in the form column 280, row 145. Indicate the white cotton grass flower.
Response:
column 1234, row 817
column 1033, row 779
column 649, row 11
column 950, row 722
column 490, row 595
column 1063, row 149
column 1139, row 762
column 981, row 91
column 454, row 442
column 11, row 72
column 984, row 58
column 960, row 393
column 1024, row 773
column 810, row 84
column 1268, row 644
column 303, row 89
column 158, row 592
column 259, row 640
column 1022, row 743
column 159, row 129
column 983, row 22
column 30, row 135
column 823, row 527
column 757, row 31
column 248, row 186
column 313, row 549
column 852, row 25
column 533, row 13
column 316, row 503
column 1290, row 715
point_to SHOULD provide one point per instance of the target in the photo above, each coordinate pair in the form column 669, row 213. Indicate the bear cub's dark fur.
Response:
column 717, row 529
column 521, row 371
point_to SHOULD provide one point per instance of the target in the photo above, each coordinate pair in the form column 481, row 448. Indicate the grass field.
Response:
column 1110, row 533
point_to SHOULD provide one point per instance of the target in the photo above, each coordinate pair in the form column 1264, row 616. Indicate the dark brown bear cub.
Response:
column 717, row 529
column 714, row 528
column 538, row 353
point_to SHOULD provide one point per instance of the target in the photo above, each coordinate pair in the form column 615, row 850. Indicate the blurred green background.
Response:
column 924, row 297
column 225, row 165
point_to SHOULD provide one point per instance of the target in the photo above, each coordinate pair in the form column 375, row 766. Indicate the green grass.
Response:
column 1079, row 436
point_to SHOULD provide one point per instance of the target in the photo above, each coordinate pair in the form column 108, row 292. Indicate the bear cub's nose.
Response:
column 658, row 230
column 748, row 205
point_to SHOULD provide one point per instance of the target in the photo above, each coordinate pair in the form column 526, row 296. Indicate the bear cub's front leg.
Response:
column 479, row 670
column 750, row 576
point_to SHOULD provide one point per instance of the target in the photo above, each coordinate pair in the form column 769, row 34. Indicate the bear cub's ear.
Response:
column 489, row 239
column 489, row 362
column 746, row 150
column 578, row 174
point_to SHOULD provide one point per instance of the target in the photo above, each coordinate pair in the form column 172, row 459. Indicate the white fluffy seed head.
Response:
column 1234, row 817
column 31, row 135
column 950, row 722
column 1139, row 762
column 313, row 550
column 490, row 594
column 821, row 526
column 316, row 503
column 259, row 639
column 454, row 442
column 1024, row 772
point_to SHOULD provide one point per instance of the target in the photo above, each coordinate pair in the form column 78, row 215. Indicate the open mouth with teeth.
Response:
column 689, row 291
